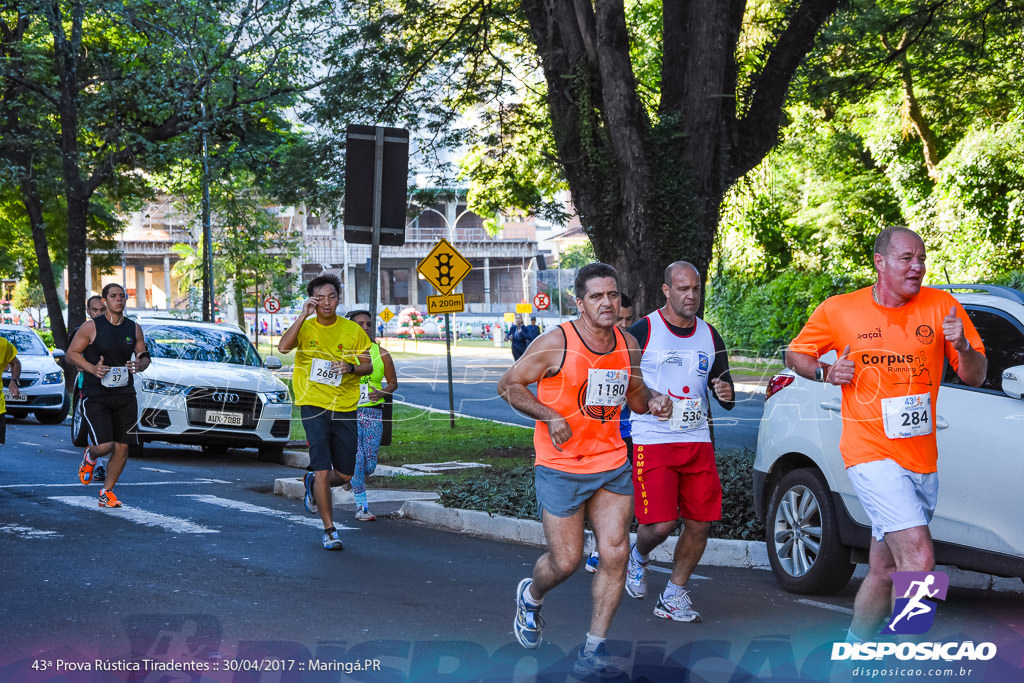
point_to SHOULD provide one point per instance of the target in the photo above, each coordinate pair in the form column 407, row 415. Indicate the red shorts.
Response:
column 676, row 481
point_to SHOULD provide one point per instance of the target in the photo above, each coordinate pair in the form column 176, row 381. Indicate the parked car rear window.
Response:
column 26, row 342
column 200, row 344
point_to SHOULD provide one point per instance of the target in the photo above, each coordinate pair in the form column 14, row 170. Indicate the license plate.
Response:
column 216, row 417
column 10, row 399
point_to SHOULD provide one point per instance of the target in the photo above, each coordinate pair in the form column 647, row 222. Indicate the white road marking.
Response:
column 199, row 480
column 256, row 509
column 668, row 570
column 30, row 443
column 172, row 524
column 154, row 469
column 68, row 450
column 825, row 605
column 27, row 531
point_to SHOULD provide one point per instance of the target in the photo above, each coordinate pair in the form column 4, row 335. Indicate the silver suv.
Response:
column 816, row 529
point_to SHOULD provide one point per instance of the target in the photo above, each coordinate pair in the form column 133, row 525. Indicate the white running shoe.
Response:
column 636, row 578
column 677, row 608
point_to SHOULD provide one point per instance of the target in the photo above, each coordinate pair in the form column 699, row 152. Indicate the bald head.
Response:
column 672, row 267
column 884, row 239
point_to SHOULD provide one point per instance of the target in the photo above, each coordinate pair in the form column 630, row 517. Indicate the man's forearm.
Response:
column 523, row 400
column 973, row 366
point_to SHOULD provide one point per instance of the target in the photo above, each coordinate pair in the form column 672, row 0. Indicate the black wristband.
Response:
column 144, row 354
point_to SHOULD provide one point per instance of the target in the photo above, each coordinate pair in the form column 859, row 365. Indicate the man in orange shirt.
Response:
column 895, row 337
column 585, row 371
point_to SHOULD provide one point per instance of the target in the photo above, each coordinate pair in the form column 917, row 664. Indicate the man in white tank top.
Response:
column 674, row 473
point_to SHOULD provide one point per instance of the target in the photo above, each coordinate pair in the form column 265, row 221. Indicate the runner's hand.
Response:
column 101, row 369
column 841, row 372
column 660, row 406
column 953, row 328
column 723, row 390
column 13, row 388
column 309, row 308
column 559, row 431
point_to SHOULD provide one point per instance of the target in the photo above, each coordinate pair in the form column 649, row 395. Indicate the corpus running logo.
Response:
column 914, row 612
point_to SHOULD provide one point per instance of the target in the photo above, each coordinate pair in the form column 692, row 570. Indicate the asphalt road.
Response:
column 424, row 381
column 205, row 568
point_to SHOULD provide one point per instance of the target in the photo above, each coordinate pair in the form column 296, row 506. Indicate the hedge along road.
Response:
column 423, row 381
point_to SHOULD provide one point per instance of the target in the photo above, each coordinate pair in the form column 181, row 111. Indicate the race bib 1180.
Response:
column 606, row 387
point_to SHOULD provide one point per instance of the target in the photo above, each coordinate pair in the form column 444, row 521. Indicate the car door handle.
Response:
column 834, row 406
column 940, row 423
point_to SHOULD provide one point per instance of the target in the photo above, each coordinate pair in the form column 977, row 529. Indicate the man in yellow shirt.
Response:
column 331, row 354
column 8, row 356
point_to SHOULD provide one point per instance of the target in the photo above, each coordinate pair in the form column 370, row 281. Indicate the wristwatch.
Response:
column 819, row 374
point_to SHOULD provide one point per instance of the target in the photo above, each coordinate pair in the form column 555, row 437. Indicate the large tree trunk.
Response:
column 47, row 278
column 648, row 193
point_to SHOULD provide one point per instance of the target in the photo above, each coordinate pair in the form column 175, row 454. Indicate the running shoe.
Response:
column 592, row 562
column 100, row 473
column 597, row 663
column 528, row 623
column 677, row 608
column 331, row 541
column 636, row 578
column 363, row 514
column 85, row 469
column 308, row 499
column 109, row 500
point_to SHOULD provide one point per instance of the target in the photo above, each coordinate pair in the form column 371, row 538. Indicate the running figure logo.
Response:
column 912, row 613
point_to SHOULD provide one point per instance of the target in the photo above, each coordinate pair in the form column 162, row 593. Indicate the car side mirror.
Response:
column 273, row 363
column 1013, row 381
column 57, row 353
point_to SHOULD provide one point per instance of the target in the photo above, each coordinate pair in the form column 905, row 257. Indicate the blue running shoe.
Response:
column 592, row 562
column 528, row 624
column 331, row 541
column 597, row 663
column 308, row 499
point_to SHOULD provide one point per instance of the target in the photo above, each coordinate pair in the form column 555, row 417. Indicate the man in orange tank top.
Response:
column 585, row 371
column 892, row 339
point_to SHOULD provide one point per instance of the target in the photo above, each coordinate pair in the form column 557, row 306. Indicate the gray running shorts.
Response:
column 563, row 493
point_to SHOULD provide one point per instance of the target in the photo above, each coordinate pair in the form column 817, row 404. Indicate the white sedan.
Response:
column 208, row 386
column 42, row 380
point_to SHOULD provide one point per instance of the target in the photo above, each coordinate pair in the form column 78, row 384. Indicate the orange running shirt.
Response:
column 897, row 352
column 595, row 444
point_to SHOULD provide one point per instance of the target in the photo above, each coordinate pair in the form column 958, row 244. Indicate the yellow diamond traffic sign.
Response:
column 386, row 314
column 444, row 267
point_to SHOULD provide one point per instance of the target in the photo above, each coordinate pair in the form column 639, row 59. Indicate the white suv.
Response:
column 207, row 386
column 42, row 380
column 815, row 526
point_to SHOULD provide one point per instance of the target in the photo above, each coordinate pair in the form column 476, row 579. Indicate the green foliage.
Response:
column 736, row 470
column 508, row 494
column 576, row 255
column 760, row 315
column 28, row 296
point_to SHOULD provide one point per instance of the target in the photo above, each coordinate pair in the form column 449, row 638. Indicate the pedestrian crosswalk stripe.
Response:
column 259, row 510
column 27, row 531
column 173, row 524
column 121, row 485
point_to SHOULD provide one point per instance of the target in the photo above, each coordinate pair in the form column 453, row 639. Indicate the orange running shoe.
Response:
column 85, row 469
column 109, row 500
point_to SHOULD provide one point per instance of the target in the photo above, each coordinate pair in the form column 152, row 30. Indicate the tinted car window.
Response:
column 26, row 342
column 200, row 344
column 1004, row 346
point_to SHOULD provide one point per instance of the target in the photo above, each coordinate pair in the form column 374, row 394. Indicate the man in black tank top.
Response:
column 109, row 349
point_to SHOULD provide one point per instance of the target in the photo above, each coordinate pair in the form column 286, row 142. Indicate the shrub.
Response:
column 511, row 494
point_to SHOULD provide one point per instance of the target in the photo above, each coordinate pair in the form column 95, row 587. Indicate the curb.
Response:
column 291, row 487
column 719, row 552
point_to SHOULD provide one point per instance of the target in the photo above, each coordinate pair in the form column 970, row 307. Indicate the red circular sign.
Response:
column 271, row 305
column 542, row 301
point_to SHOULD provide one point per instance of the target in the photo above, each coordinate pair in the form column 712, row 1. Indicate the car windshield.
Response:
column 200, row 344
column 26, row 341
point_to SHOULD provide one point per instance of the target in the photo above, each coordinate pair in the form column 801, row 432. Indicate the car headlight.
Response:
column 53, row 377
column 276, row 396
column 157, row 387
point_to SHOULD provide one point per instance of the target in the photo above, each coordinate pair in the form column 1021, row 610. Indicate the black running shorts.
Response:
column 110, row 418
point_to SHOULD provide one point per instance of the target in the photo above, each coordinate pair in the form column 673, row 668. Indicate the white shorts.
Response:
column 894, row 498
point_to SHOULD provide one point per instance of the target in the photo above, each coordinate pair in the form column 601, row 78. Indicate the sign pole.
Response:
column 451, row 390
column 378, row 185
